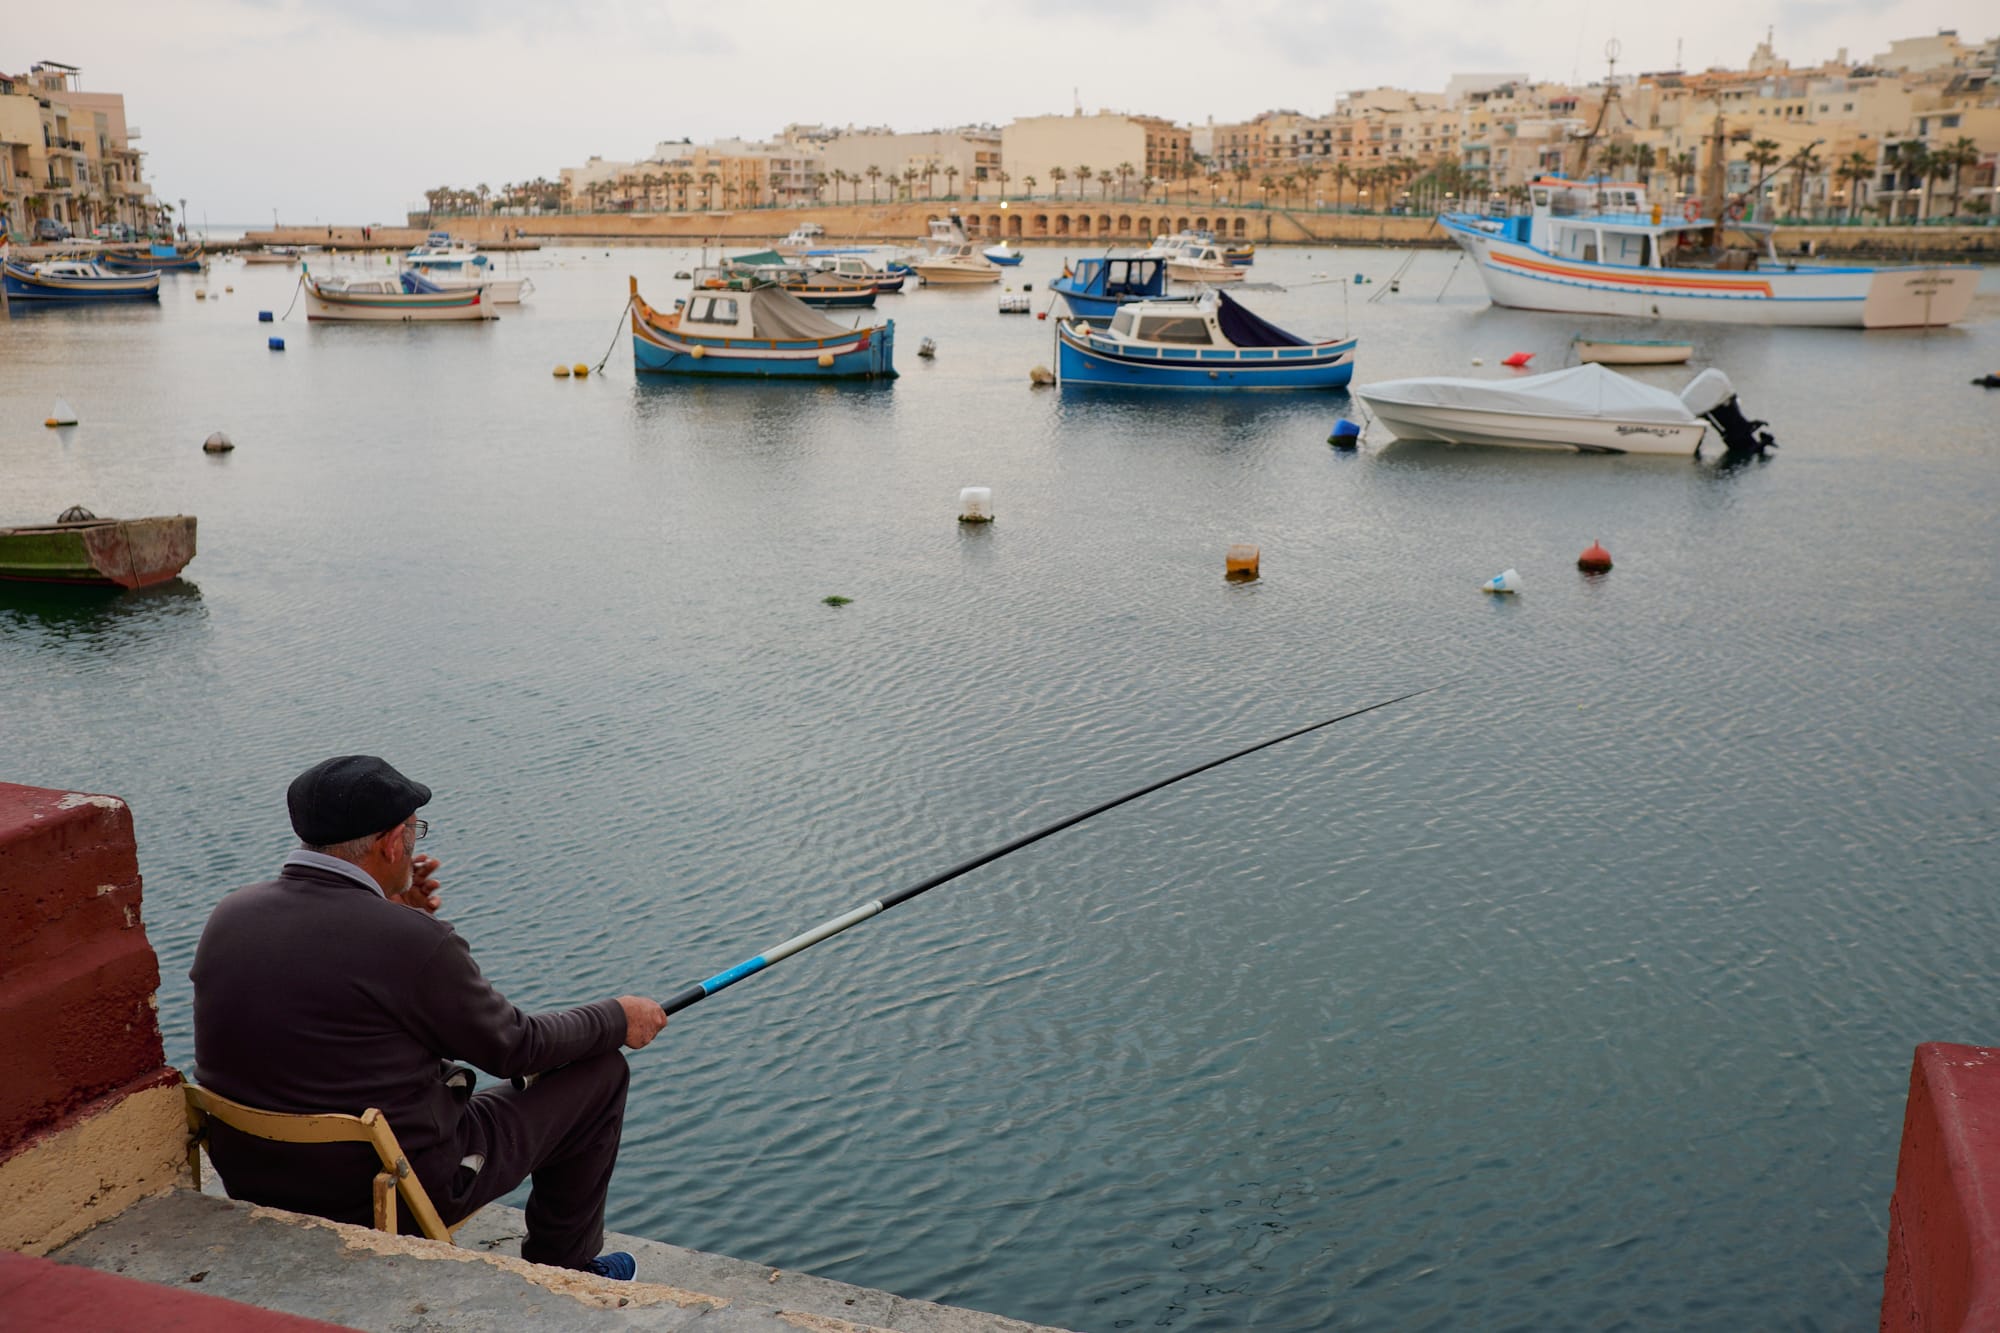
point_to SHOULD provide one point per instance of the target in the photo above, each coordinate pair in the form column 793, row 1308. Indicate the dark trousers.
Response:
column 562, row 1131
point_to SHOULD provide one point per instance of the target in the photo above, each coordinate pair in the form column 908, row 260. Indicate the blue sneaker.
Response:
column 617, row 1265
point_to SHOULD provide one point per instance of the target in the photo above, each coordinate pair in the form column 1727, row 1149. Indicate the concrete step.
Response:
column 368, row 1280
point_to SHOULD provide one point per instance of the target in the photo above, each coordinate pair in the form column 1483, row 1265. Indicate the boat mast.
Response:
column 1611, row 49
column 1715, row 177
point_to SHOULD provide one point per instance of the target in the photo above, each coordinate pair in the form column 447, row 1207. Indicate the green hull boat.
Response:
column 98, row 552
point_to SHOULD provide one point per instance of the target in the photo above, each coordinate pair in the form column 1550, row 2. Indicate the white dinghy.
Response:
column 1586, row 408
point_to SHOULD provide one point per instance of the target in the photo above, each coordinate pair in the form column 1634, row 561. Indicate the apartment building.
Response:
column 1121, row 151
column 68, row 154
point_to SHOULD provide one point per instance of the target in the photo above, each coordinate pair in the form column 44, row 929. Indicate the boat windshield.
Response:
column 1189, row 328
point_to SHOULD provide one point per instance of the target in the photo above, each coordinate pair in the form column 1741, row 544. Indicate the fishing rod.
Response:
column 701, row 990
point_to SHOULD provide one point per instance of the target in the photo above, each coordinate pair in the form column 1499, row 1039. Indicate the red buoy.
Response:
column 1594, row 560
column 1518, row 359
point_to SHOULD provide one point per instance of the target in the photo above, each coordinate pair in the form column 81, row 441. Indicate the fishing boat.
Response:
column 287, row 255
column 386, row 299
column 155, row 259
column 750, row 327
column 1202, row 261
column 83, row 550
column 1631, row 351
column 957, row 266
column 802, row 238
column 815, row 287
column 855, row 269
column 1206, row 342
column 1585, row 408
column 1240, row 255
column 74, row 280
column 1095, row 288
column 1599, row 248
column 1004, row 254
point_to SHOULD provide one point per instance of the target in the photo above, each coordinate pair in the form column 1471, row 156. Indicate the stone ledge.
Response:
column 118, row 1150
column 367, row 1280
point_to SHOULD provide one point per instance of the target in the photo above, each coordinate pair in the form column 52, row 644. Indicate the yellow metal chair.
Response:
column 369, row 1127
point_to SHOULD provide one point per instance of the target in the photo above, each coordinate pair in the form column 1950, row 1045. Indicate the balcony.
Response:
column 132, row 132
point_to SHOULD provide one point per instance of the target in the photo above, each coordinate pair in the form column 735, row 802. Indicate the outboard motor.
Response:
column 1711, row 395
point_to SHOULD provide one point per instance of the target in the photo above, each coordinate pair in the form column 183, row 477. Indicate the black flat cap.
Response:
column 350, row 796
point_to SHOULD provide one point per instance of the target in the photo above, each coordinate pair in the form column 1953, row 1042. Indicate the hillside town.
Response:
column 1909, row 134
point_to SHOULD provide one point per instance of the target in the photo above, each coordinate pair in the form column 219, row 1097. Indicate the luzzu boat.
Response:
column 814, row 286
column 854, row 268
column 1207, row 342
column 1095, row 288
column 750, row 327
column 385, row 299
column 1598, row 248
column 83, row 550
column 75, row 280
column 156, row 259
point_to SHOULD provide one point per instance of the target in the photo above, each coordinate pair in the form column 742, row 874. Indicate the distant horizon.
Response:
column 519, row 99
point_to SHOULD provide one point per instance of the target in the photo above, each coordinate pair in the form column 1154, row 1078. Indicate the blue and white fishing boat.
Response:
column 441, row 250
column 74, row 280
column 1599, row 248
column 1209, row 342
column 154, row 259
column 1095, row 288
column 1003, row 253
column 757, row 329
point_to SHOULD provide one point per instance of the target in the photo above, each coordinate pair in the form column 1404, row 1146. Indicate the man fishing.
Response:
column 336, row 987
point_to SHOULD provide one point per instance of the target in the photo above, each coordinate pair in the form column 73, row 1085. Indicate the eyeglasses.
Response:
column 420, row 828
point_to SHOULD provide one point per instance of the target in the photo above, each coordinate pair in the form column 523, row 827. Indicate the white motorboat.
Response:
column 500, row 291
column 287, row 255
column 957, row 266
column 1202, row 261
column 1004, row 253
column 386, row 298
column 802, row 238
column 441, row 250
column 1586, row 408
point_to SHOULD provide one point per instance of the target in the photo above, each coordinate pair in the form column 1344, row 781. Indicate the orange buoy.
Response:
column 1518, row 359
column 1594, row 560
column 1242, row 561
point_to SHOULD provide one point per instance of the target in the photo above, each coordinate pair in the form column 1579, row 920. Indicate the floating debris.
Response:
column 1507, row 580
column 1517, row 360
column 927, row 349
column 62, row 414
column 836, row 600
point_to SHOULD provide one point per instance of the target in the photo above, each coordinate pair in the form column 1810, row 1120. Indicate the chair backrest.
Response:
column 326, row 1127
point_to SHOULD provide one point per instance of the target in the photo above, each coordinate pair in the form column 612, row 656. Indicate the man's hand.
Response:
column 423, row 891
column 644, row 1019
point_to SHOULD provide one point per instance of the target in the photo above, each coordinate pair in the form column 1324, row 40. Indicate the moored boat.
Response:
column 385, row 299
column 802, row 238
column 1095, row 288
column 499, row 291
column 441, row 250
column 816, row 287
column 154, row 259
column 1003, row 253
column 1631, row 351
column 1585, row 408
column 855, row 269
column 74, row 280
column 287, row 255
column 1202, row 262
column 1599, row 248
column 957, row 266
column 754, row 328
column 83, row 550
column 1209, row 342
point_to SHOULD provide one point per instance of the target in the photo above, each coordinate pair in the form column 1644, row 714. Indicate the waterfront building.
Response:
column 1122, row 151
column 955, row 163
column 67, row 155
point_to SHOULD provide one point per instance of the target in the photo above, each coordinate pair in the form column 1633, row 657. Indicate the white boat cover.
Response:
column 1587, row 391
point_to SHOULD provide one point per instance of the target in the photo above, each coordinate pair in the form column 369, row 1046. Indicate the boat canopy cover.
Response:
column 1246, row 330
column 415, row 283
column 1582, row 391
column 761, row 259
column 1707, row 391
column 776, row 313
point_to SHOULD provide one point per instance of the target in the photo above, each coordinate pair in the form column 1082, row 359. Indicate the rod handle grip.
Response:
column 683, row 997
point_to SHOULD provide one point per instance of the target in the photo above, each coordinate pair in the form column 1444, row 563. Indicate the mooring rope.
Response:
column 614, row 336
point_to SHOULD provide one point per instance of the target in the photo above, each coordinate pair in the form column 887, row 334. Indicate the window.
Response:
column 1175, row 329
column 713, row 310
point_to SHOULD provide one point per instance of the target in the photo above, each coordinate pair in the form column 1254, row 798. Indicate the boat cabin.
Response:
column 1189, row 325
column 1120, row 279
column 850, row 267
column 1611, row 222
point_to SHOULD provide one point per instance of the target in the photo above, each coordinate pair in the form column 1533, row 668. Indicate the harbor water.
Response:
column 1579, row 993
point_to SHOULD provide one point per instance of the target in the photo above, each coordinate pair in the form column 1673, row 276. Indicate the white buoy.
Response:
column 1507, row 580
column 217, row 443
column 62, row 414
column 975, row 504
column 1478, row 360
column 1041, row 375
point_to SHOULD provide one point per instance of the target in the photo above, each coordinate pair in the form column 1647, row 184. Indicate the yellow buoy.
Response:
column 579, row 370
column 200, row 294
column 826, row 360
column 562, row 372
column 1243, row 560
column 698, row 353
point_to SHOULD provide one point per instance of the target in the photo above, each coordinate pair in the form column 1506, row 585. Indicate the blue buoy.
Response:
column 277, row 344
column 1346, row 435
column 1360, row 278
column 263, row 317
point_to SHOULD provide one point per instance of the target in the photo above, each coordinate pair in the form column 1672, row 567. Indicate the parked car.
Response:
column 113, row 231
column 48, row 229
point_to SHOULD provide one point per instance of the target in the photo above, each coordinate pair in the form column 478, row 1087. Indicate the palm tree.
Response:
column 1265, row 184
column 1241, row 171
column 1126, row 172
column 1957, row 155
column 1854, row 171
column 1912, row 160
column 819, row 180
column 873, row 174
column 1083, row 174
column 1762, row 155
column 910, row 176
column 709, row 180
column 1028, row 182
column 1004, row 178
column 930, row 179
column 1937, row 167
column 1682, row 164
column 1104, row 179
column 1288, row 183
column 1805, row 162
column 1056, row 177
column 1342, row 174
column 1312, row 171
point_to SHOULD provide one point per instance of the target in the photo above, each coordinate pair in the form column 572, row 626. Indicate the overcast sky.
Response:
column 347, row 110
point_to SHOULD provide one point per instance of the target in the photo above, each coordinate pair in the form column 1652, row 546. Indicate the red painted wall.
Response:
column 1944, row 1220
column 77, row 974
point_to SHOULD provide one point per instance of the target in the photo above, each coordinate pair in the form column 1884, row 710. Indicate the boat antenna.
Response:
column 701, row 990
